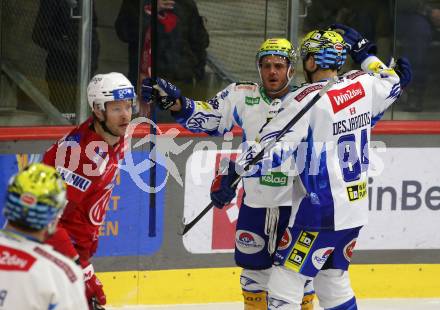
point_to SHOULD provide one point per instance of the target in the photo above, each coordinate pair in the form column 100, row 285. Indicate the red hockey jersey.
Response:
column 89, row 167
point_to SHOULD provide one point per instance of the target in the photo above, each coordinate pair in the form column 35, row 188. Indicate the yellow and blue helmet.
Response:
column 36, row 196
column 327, row 47
column 278, row 47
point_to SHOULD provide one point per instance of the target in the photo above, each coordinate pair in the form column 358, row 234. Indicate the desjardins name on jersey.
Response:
column 351, row 123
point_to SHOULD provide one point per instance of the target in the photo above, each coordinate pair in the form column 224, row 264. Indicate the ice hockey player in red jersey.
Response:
column 88, row 159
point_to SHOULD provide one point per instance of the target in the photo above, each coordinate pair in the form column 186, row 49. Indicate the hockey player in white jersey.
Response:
column 329, row 146
column 265, row 211
column 33, row 275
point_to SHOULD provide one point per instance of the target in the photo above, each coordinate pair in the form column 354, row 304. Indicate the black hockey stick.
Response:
column 152, row 149
column 272, row 142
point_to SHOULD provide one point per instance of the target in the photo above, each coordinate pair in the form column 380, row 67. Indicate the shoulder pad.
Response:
column 245, row 83
column 354, row 74
column 246, row 86
column 306, row 90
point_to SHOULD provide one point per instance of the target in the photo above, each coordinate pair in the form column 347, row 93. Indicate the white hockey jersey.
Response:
column 247, row 106
column 330, row 145
column 35, row 277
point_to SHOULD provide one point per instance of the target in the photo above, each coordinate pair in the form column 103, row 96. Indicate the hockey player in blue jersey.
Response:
column 266, row 207
column 329, row 146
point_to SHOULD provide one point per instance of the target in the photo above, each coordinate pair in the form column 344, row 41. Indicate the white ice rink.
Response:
column 363, row 304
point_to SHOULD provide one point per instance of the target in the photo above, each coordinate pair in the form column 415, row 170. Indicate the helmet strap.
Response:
column 105, row 128
column 309, row 73
column 103, row 124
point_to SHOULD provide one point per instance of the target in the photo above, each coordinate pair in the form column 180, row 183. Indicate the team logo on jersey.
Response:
column 97, row 211
column 15, row 260
column 357, row 191
column 251, row 100
column 248, row 242
column 344, row 97
column 285, row 241
column 320, row 256
column 274, row 179
column 75, row 180
column 348, row 249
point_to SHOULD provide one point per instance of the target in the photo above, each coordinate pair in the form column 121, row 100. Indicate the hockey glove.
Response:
column 94, row 288
column 221, row 191
column 164, row 91
column 359, row 47
column 404, row 71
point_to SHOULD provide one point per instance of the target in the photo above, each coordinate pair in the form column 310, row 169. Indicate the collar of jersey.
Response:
column 18, row 235
column 267, row 99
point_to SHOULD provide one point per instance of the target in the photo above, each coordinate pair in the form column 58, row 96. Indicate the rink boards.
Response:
column 143, row 260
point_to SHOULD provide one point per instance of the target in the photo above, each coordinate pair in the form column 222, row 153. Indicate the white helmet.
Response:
column 109, row 87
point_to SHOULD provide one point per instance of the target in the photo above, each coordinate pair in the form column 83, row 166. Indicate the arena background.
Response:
column 399, row 254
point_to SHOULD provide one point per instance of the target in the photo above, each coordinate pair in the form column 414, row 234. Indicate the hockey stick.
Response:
column 152, row 149
column 272, row 142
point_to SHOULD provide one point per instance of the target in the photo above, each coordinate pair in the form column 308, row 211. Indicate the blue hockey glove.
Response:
column 221, row 191
column 359, row 47
column 164, row 91
column 404, row 71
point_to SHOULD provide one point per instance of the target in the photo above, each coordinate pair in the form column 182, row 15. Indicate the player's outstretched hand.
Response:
column 166, row 92
column 221, row 191
column 404, row 71
column 359, row 46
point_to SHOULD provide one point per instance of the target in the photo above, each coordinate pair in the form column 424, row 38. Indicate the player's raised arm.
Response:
column 392, row 78
column 214, row 117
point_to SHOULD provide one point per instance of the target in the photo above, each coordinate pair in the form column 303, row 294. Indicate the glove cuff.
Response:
column 359, row 54
column 186, row 111
column 88, row 272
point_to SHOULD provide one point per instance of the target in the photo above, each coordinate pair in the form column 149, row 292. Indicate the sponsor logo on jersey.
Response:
column 348, row 249
column 15, row 260
column 75, row 180
column 357, row 191
column 300, row 250
column 248, row 242
column 320, row 256
column 307, row 91
column 224, row 94
column 274, row 179
column 285, row 241
column 252, row 100
column 60, row 263
column 344, row 97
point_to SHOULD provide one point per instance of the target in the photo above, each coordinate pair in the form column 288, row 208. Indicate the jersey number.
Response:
column 351, row 166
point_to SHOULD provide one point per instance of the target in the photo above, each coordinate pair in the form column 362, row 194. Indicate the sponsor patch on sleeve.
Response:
column 15, row 260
